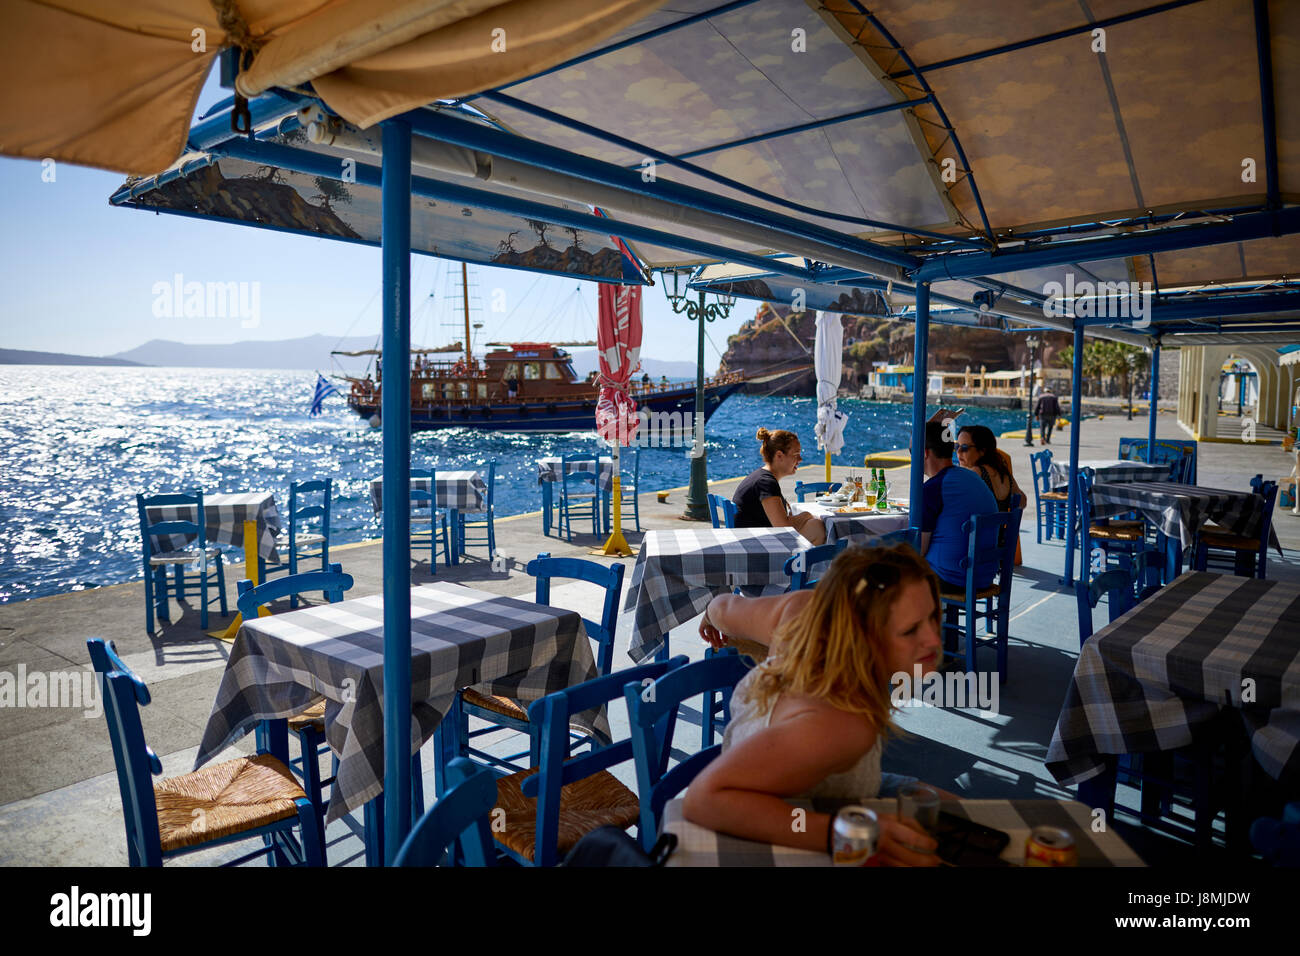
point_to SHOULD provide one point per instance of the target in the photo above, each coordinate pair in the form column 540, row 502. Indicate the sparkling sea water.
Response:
column 80, row 442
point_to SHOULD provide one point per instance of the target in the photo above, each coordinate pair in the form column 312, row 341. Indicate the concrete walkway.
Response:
column 59, row 802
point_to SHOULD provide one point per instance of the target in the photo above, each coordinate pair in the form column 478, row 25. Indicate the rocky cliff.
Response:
column 774, row 339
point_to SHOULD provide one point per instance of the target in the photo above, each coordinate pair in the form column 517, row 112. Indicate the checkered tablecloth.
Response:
column 1109, row 470
column 459, row 637
column 463, row 490
column 1179, row 511
column 678, row 573
column 698, row 846
column 548, row 470
column 857, row 528
column 223, row 522
column 1145, row 681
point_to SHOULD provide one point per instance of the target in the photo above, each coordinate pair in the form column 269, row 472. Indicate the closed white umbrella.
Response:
column 828, row 361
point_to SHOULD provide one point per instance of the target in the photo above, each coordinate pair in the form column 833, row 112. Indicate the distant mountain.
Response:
column 23, row 357
column 310, row 352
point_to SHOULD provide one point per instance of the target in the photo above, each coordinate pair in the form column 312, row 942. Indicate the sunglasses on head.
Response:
column 879, row 576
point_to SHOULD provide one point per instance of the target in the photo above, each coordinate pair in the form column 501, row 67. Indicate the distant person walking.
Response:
column 1047, row 411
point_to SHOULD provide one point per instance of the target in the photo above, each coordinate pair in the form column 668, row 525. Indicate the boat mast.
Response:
column 464, row 279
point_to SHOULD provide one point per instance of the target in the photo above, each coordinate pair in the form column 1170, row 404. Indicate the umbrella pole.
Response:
column 616, row 545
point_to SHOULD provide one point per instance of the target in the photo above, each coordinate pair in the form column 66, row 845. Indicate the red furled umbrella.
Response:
column 618, row 342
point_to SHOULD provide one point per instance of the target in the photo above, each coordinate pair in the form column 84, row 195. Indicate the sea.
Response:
column 80, row 442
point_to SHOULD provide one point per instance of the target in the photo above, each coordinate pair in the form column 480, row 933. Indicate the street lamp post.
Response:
column 1032, row 342
column 1131, row 359
column 697, row 492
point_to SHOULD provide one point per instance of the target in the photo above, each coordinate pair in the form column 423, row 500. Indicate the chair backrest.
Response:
column 991, row 542
column 608, row 576
column 123, row 695
column 150, row 531
column 652, row 715
column 1116, row 584
column 568, row 474
column 715, row 510
column 1083, row 504
column 1269, row 490
column 299, row 512
column 910, row 536
column 729, row 511
column 802, row 488
column 462, row 813
column 1041, row 463
column 421, row 495
column 551, row 715
column 1165, row 452
column 799, row 565
column 491, row 484
column 333, row 582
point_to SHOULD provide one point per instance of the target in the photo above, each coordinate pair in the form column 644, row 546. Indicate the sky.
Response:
column 77, row 276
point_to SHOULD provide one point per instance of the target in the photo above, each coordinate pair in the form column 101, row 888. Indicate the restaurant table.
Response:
column 1109, row 470
column 460, row 637
column 1179, row 511
column 859, row 528
column 457, row 491
column 699, row 846
column 548, row 473
column 223, row 520
column 678, row 573
column 1144, row 682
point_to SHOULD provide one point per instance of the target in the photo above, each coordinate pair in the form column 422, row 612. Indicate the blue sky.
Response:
column 76, row 275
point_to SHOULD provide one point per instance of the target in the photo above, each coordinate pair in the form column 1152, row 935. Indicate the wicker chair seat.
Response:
column 959, row 596
column 498, row 705
column 312, row 716
column 304, row 540
column 595, row 801
column 183, row 557
column 1228, row 541
column 233, row 796
column 1119, row 531
column 1055, row 495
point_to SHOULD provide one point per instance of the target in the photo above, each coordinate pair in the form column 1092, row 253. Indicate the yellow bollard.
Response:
column 250, row 567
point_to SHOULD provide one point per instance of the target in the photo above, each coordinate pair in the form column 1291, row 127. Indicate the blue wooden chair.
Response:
column 435, row 518
column 247, row 798
column 802, row 488
column 991, row 542
column 308, row 536
column 485, row 527
column 1120, row 540
column 1166, row 452
column 550, row 807
column 502, row 712
column 799, row 566
column 163, row 543
column 1242, row 555
column 307, row 725
column 1180, row 470
column 461, row 816
column 722, row 511
column 652, row 716
column 908, row 536
column 1051, row 505
column 575, row 501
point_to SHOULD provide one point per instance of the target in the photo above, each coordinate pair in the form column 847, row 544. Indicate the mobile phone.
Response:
column 965, row 843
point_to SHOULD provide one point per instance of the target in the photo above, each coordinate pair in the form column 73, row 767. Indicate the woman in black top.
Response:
column 977, row 449
column 758, row 499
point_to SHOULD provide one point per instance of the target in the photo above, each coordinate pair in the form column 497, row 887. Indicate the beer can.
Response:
column 1050, row 846
column 855, row 834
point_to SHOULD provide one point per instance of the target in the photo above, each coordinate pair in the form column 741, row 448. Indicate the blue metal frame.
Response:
column 396, row 404
column 1155, row 398
column 318, row 164
column 920, row 381
column 1264, row 55
column 1076, row 403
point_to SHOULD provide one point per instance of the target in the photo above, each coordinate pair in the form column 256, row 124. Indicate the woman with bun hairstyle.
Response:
column 810, row 721
column 758, row 499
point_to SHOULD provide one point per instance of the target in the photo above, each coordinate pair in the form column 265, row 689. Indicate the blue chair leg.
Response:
column 309, row 742
column 311, row 823
column 160, row 593
column 662, row 654
column 221, row 586
column 972, row 629
column 180, row 582
column 148, row 603
column 204, row 574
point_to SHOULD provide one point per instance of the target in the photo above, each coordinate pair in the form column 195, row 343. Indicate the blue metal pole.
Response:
column 1076, row 414
column 1155, row 391
column 920, row 375
column 396, row 406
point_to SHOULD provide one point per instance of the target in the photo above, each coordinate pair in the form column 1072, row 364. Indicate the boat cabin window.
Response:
column 430, row 391
column 553, row 370
column 512, row 371
column 482, row 390
column 532, row 370
column 464, row 390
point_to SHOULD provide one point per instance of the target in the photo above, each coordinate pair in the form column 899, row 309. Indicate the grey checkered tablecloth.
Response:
column 223, row 522
column 857, row 528
column 462, row 490
column 548, row 470
column 1179, row 511
column 1143, row 682
column 1109, row 470
column 678, row 573
column 459, row 637
column 698, row 846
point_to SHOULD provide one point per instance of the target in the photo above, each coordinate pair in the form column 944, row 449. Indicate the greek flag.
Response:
column 323, row 388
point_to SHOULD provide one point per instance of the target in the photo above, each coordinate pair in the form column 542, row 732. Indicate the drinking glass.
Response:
column 918, row 802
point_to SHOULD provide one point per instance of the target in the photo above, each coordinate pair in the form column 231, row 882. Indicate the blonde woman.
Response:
column 811, row 721
column 758, row 499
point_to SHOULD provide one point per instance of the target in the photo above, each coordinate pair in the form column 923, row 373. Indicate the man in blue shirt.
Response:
column 950, row 497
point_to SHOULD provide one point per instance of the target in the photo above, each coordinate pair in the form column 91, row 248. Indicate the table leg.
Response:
column 1099, row 791
column 453, row 535
column 548, row 497
column 1173, row 558
column 252, row 567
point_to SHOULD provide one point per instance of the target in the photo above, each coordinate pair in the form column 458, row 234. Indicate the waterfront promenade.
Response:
column 59, row 800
